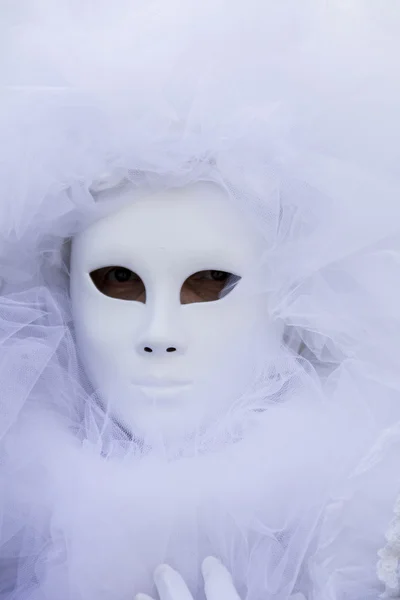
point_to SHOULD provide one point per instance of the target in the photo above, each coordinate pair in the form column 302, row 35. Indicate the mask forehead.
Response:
column 197, row 227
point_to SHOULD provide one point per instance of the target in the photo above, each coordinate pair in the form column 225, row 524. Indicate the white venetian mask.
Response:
column 167, row 313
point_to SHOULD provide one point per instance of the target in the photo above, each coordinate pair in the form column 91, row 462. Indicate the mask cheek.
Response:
column 225, row 342
column 106, row 336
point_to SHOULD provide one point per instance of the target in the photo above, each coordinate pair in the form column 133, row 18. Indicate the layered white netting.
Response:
column 291, row 106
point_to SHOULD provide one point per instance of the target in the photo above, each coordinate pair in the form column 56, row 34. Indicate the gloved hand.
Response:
column 218, row 584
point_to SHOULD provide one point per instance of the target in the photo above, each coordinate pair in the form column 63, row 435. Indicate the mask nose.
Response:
column 159, row 348
column 163, row 336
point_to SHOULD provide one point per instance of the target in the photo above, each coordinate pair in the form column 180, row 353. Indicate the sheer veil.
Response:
column 292, row 108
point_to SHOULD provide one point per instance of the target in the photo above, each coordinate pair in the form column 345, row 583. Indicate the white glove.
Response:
column 218, row 584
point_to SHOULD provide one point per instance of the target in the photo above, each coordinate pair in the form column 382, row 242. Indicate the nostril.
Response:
column 147, row 349
column 171, row 349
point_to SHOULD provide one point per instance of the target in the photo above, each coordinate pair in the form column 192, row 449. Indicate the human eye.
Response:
column 207, row 286
column 119, row 282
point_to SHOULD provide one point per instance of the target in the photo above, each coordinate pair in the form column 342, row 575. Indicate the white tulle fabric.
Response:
column 388, row 565
column 292, row 107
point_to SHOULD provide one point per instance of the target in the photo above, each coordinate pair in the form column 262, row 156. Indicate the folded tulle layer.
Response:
column 293, row 110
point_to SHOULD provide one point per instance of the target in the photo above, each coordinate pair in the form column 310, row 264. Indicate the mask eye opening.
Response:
column 120, row 283
column 209, row 285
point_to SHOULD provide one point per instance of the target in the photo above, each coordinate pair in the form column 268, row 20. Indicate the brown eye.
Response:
column 219, row 275
column 119, row 282
column 207, row 286
column 120, row 275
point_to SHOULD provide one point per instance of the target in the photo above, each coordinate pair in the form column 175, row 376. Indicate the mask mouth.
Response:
column 161, row 383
